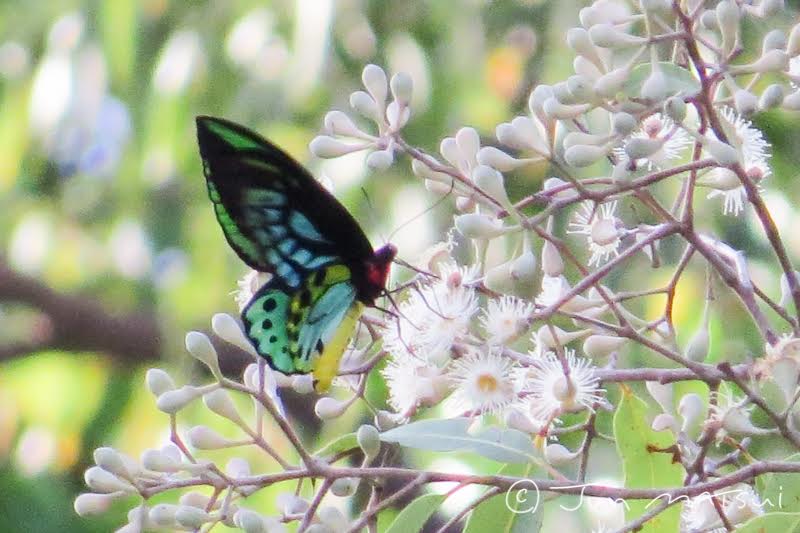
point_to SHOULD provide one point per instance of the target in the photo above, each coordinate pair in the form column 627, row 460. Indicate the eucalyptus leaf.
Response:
column 788, row 522
column 502, row 445
column 642, row 462
column 414, row 515
column 517, row 511
column 339, row 444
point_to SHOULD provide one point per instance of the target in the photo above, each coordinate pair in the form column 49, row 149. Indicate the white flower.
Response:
column 413, row 383
column 550, row 392
column 506, row 319
column 602, row 230
column 739, row 503
column 249, row 284
column 658, row 127
column 483, row 382
column 434, row 317
column 753, row 154
column 731, row 415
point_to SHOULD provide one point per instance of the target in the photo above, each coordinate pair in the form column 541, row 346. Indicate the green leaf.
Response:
column 788, row 522
column 414, row 515
column 340, row 444
column 781, row 491
column 502, row 445
column 509, row 512
column 644, row 467
column 679, row 79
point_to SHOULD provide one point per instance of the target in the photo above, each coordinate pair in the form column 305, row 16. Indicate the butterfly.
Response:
column 279, row 219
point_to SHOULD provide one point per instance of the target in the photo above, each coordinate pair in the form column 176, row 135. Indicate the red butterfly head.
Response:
column 376, row 270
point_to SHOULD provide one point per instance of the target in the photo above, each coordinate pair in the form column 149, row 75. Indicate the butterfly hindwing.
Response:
column 306, row 329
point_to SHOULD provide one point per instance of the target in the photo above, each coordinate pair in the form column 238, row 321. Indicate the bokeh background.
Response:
column 109, row 251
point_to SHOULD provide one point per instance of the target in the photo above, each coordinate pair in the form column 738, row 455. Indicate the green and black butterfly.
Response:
column 280, row 220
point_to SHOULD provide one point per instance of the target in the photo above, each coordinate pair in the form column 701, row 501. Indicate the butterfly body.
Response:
column 280, row 220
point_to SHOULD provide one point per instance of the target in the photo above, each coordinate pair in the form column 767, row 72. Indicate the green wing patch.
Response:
column 290, row 329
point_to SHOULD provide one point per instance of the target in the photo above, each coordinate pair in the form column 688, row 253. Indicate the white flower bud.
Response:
column 191, row 517
column 523, row 268
column 303, row 384
column 557, row 454
column 621, row 171
column 623, row 123
column 583, row 155
column 516, row 419
column 101, row 480
column 397, row 115
column 793, row 42
column 467, row 141
column 708, row 19
column 491, row 182
column 173, row 401
column 163, row 514
column 328, row 408
column 219, row 401
column 158, row 461
column 402, row 86
column 479, row 226
column 608, row 36
column 774, row 40
column 772, row 61
column 724, row 153
column 375, row 81
column 90, row 504
column 661, row 393
column 333, row 518
column 226, row 327
column 728, row 22
column 338, row 123
column 195, row 499
column 492, row 157
column 159, row 381
column 654, row 87
column 578, row 39
column 663, row 422
column 553, row 336
column 737, row 421
column 792, row 101
column 344, row 487
column 238, row 467
column 499, row 279
column 536, row 100
column 690, row 408
column 768, row 8
column 745, row 102
column 205, row 438
column 771, row 97
column 115, row 462
column 556, row 110
column 785, row 374
column 642, row 147
column 576, row 138
column 675, row 108
column 291, row 504
column 366, row 106
column 697, row 348
column 552, row 263
column 200, row 347
column 369, row 441
column 609, row 84
column 580, row 87
column 600, row 346
column 384, row 420
column 327, row 147
column 380, row 159
column 250, row 521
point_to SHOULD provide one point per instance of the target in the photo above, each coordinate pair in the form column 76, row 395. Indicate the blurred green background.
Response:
column 109, row 251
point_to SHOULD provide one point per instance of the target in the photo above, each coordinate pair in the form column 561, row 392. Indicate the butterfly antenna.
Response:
column 409, row 266
column 427, row 210
column 373, row 215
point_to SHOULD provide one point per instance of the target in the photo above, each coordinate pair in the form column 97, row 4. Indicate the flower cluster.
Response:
column 516, row 328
